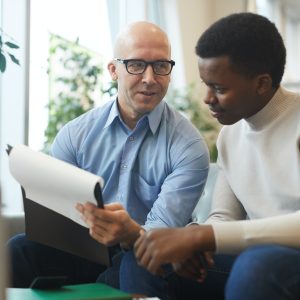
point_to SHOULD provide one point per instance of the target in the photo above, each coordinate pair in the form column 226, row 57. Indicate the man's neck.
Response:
column 130, row 119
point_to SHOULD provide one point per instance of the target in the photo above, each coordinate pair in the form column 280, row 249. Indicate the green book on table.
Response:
column 90, row 291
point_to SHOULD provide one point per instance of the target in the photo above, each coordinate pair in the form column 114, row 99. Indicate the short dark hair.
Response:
column 251, row 41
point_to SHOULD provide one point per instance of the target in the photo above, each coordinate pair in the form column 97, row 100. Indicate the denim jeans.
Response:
column 30, row 259
column 211, row 289
column 262, row 272
column 258, row 273
column 136, row 279
column 265, row 272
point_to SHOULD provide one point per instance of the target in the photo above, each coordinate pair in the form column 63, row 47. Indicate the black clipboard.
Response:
column 50, row 228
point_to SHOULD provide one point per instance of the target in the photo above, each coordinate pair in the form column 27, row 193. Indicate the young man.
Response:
column 256, row 205
column 153, row 161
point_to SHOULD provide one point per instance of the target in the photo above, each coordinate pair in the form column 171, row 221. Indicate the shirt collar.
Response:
column 154, row 116
column 113, row 114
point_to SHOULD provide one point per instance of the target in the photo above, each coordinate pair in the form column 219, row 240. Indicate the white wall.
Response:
column 194, row 17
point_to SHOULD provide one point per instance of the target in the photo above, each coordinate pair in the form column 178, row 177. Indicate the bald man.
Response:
column 153, row 161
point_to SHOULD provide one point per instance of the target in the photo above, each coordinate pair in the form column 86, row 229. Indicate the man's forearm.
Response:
column 204, row 237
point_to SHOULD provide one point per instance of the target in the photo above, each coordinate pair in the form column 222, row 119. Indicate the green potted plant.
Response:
column 187, row 102
column 75, row 83
column 6, row 48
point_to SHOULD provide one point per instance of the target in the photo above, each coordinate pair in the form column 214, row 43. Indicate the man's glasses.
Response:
column 138, row 66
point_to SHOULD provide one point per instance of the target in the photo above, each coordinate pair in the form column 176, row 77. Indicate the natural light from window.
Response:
column 86, row 20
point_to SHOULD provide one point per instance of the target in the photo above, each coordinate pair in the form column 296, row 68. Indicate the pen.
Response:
column 98, row 195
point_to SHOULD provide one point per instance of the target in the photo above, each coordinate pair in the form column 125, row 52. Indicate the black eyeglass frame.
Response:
column 147, row 63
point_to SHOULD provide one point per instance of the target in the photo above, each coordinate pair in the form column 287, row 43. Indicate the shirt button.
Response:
column 131, row 138
column 123, row 166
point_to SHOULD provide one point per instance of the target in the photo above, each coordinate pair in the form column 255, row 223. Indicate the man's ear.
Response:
column 112, row 70
column 264, row 83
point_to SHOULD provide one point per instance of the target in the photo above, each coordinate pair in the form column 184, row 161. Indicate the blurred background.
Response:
column 54, row 54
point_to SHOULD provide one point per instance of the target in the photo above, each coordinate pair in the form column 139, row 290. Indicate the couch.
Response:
column 203, row 206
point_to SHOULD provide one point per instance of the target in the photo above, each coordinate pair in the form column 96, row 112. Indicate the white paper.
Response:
column 51, row 182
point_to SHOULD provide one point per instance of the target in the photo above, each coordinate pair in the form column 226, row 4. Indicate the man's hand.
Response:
column 195, row 267
column 172, row 245
column 111, row 225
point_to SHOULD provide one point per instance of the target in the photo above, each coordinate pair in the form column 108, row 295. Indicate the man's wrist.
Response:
column 132, row 237
column 205, row 238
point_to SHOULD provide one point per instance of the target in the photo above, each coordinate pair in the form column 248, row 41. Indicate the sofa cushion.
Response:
column 202, row 209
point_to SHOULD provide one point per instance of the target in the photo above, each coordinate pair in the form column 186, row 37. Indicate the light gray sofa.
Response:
column 202, row 209
column 15, row 223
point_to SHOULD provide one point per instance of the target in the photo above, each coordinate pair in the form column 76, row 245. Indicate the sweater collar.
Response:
column 269, row 112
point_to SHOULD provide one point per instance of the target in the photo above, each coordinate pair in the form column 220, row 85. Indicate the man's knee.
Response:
column 261, row 272
column 136, row 279
column 16, row 246
column 16, row 240
column 129, row 264
column 252, row 263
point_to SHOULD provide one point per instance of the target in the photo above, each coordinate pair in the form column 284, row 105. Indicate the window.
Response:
column 25, row 94
column 13, row 96
column 286, row 15
column 82, row 20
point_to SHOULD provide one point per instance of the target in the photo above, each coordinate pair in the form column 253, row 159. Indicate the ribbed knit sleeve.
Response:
column 233, row 237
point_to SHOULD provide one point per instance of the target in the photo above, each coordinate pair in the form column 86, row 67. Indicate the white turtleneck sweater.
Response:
column 258, row 187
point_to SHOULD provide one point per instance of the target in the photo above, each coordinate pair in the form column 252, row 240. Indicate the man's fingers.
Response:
column 79, row 207
column 209, row 259
column 114, row 206
column 143, row 254
column 154, row 266
column 139, row 248
column 97, row 236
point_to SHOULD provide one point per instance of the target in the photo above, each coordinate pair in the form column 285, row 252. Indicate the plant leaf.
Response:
column 14, row 59
column 12, row 45
column 2, row 62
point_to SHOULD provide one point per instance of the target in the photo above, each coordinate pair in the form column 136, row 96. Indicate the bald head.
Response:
column 140, row 35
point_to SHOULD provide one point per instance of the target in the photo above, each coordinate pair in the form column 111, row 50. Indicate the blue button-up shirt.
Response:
column 157, row 171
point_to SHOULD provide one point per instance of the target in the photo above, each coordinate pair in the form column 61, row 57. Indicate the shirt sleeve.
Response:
column 225, row 205
column 62, row 147
column 182, row 188
column 233, row 237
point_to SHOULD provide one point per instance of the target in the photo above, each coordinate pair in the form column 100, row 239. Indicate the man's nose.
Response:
column 210, row 97
column 149, row 74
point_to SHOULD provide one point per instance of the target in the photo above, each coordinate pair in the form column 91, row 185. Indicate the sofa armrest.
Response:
column 203, row 206
column 14, row 224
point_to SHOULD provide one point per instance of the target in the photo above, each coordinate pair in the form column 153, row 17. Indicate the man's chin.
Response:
column 146, row 108
column 144, row 111
column 227, row 121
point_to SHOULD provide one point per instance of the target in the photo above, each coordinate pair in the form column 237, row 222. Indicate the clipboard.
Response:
column 44, row 222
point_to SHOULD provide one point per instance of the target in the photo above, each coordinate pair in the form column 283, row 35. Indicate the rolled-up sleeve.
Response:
column 182, row 188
